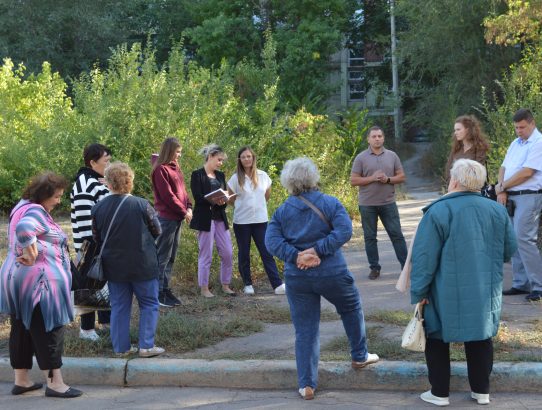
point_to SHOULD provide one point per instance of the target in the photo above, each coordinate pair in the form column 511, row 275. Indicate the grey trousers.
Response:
column 526, row 262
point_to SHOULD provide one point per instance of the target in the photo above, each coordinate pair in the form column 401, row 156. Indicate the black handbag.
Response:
column 95, row 271
column 488, row 190
column 80, row 267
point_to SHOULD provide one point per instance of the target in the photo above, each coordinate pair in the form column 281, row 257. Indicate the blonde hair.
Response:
column 120, row 178
column 470, row 174
column 299, row 175
column 211, row 150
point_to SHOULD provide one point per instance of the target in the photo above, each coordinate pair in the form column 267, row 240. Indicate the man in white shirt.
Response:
column 520, row 182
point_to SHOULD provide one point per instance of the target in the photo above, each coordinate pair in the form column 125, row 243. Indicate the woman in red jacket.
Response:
column 173, row 205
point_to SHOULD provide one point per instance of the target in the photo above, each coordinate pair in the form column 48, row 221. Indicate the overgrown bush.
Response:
column 133, row 105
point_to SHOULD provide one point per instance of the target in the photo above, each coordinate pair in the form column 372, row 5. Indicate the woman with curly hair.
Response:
column 469, row 142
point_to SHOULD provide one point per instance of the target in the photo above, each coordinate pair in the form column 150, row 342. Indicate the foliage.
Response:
column 446, row 61
column 522, row 86
column 521, row 24
column 133, row 104
column 70, row 34
column 307, row 33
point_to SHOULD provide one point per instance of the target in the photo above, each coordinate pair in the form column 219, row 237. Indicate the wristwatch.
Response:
column 388, row 181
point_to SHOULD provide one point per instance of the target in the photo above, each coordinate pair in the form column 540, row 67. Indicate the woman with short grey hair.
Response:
column 461, row 244
column 307, row 232
column 470, row 174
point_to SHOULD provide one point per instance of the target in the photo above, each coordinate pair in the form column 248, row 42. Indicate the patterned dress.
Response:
column 48, row 281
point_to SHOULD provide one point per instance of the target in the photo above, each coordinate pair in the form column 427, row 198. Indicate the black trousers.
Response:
column 479, row 365
column 24, row 343
column 88, row 320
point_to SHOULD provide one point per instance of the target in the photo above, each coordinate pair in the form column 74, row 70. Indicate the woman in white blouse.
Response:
column 253, row 187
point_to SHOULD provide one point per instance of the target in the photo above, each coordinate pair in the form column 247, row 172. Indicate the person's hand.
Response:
column 221, row 202
column 307, row 259
column 102, row 181
column 380, row 176
column 188, row 216
column 424, row 301
column 502, row 197
column 30, row 253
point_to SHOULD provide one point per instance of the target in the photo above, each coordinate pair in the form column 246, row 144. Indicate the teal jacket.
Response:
column 457, row 264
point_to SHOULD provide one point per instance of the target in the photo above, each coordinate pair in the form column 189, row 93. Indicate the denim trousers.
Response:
column 526, row 261
column 479, row 355
column 304, row 293
column 389, row 215
column 167, row 245
column 120, row 294
column 221, row 236
column 243, row 234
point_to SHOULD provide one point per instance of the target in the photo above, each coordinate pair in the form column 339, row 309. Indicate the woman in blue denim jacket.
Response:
column 314, row 266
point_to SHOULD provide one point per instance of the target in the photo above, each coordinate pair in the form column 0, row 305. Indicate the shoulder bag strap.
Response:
column 316, row 210
column 111, row 224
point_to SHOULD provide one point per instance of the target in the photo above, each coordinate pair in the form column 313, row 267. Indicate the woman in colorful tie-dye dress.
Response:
column 35, row 287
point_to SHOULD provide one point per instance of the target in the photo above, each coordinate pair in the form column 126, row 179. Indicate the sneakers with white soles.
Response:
column 371, row 358
column 248, row 290
column 307, row 393
column 438, row 401
column 280, row 290
column 480, row 398
column 153, row 351
column 89, row 335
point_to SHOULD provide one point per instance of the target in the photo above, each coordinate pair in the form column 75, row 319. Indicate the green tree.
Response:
column 72, row 35
column 445, row 59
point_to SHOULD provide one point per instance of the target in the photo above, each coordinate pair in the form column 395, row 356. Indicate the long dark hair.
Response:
column 167, row 151
column 253, row 176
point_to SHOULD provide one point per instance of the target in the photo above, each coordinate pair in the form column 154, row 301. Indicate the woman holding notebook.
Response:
column 209, row 219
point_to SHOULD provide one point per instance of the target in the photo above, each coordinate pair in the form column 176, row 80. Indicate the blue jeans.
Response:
column 120, row 294
column 304, row 298
column 389, row 215
column 167, row 245
column 243, row 233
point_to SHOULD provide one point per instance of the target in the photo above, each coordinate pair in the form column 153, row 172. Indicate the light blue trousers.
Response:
column 526, row 262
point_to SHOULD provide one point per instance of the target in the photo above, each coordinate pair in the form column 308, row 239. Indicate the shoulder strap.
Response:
column 111, row 224
column 316, row 210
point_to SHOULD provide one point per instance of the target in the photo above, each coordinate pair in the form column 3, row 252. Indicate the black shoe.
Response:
column 16, row 390
column 164, row 301
column 172, row 299
column 534, row 296
column 375, row 273
column 514, row 291
column 68, row 394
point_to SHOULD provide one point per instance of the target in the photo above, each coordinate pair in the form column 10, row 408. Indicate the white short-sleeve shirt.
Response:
column 250, row 203
column 525, row 154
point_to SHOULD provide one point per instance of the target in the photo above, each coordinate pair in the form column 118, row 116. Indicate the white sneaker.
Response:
column 480, row 398
column 307, row 393
column 153, row 351
column 89, row 335
column 280, row 290
column 438, row 401
column 371, row 358
column 248, row 290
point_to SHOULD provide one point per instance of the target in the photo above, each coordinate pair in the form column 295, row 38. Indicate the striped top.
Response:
column 48, row 280
column 86, row 192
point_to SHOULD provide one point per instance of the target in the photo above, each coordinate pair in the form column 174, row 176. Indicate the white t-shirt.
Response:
column 250, row 203
column 525, row 154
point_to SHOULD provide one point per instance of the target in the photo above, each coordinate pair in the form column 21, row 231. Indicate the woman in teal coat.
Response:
column 457, row 271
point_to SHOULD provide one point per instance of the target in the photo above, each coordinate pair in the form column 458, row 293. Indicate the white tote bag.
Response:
column 414, row 334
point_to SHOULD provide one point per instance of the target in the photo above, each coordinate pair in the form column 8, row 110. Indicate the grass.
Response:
column 509, row 345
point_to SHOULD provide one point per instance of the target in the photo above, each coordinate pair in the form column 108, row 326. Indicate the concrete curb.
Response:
column 277, row 374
